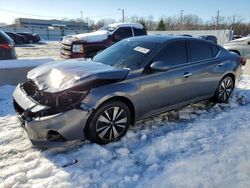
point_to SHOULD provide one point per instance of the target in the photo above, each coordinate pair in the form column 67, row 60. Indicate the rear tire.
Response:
column 224, row 90
column 109, row 123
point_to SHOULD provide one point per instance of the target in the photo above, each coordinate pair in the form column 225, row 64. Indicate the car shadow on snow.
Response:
column 32, row 45
column 25, row 45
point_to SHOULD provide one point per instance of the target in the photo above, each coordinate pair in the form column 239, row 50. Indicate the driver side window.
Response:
column 173, row 54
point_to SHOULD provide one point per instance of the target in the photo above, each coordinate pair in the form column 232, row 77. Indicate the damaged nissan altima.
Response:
column 135, row 78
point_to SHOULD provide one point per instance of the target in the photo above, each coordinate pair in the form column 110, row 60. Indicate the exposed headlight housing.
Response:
column 70, row 97
column 77, row 48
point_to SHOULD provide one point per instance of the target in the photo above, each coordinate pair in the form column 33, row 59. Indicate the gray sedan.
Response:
column 133, row 79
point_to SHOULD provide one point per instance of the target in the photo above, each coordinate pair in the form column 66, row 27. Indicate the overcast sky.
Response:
column 97, row 9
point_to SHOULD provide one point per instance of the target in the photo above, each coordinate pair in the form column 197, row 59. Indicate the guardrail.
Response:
column 13, row 72
column 47, row 34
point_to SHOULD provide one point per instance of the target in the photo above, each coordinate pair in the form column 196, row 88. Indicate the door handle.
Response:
column 220, row 64
column 187, row 74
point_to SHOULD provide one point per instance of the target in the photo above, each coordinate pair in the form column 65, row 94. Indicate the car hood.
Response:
column 59, row 76
column 96, row 36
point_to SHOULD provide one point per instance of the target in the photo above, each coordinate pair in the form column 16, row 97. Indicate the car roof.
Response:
column 25, row 33
column 159, row 38
column 135, row 25
column 207, row 36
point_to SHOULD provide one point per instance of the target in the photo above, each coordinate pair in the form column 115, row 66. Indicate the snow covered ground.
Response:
column 45, row 49
column 205, row 146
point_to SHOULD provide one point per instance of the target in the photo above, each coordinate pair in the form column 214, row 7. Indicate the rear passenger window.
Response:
column 173, row 54
column 214, row 49
column 200, row 50
column 139, row 32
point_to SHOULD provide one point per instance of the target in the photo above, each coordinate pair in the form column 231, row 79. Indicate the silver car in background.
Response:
column 133, row 79
column 240, row 46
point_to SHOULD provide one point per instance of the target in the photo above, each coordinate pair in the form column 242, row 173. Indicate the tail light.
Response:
column 242, row 60
column 6, row 46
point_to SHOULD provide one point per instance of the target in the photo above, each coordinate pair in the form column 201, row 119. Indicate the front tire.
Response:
column 109, row 123
column 224, row 90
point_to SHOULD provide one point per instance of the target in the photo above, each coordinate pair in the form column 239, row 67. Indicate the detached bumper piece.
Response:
column 51, row 130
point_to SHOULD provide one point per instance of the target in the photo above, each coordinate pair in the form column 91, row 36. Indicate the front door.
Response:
column 167, row 88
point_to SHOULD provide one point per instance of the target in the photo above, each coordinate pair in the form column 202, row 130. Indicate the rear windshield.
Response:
column 4, row 38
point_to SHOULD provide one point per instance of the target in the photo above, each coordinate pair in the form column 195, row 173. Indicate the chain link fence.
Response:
column 223, row 36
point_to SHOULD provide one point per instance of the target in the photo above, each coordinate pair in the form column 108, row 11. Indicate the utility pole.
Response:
column 181, row 18
column 81, row 14
column 81, row 20
column 122, row 14
column 217, row 20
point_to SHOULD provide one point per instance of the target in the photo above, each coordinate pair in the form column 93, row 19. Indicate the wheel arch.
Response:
column 236, row 51
column 231, row 74
column 126, row 101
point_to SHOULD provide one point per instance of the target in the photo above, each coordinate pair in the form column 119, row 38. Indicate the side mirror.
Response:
column 159, row 66
column 248, row 43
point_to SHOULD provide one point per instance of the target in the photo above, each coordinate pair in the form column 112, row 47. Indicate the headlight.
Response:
column 78, row 48
column 67, row 98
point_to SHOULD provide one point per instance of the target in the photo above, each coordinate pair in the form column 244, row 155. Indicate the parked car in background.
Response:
column 236, row 37
column 211, row 38
column 30, row 38
column 186, row 35
column 240, row 46
column 88, row 44
column 18, row 39
column 133, row 79
column 7, row 47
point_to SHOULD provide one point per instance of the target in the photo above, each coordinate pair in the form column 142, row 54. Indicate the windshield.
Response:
column 107, row 28
column 126, row 53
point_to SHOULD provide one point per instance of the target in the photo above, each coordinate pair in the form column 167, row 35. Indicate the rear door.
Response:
column 203, row 64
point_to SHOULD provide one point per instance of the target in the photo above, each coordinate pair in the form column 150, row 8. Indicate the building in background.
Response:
column 50, row 24
column 47, row 29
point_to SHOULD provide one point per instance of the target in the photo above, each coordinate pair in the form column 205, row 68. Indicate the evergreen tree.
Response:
column 161, row 25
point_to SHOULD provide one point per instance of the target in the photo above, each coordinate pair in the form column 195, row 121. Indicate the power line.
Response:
column 104, row 15
column 42, row 16
column 17, row 12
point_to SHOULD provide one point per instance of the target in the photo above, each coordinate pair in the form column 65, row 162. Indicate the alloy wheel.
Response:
column 111, row 123
column 225, row 89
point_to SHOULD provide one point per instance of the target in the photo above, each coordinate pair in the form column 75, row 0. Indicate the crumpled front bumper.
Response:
column 69, row 124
